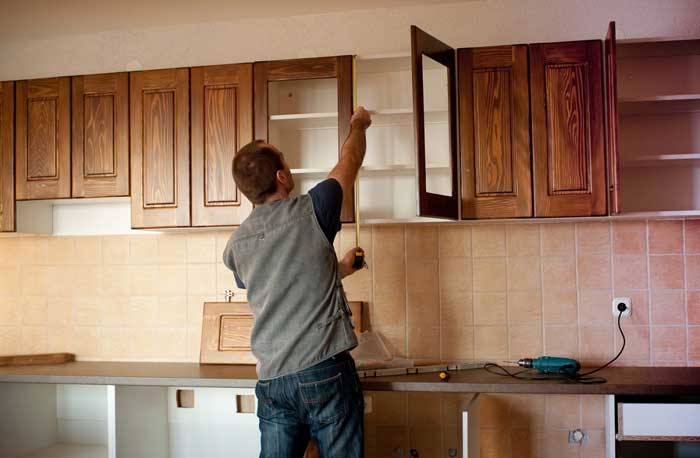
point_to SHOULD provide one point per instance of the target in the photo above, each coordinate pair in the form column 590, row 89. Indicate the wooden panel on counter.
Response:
column 567, row 129
column 101, row 135
column 226, row 329
column 160, row 148
column 7, row 157
column 222, row 122
column 495, row 132
column 42, row 139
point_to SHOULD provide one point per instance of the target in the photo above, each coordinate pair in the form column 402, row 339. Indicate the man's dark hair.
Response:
column 254, row 170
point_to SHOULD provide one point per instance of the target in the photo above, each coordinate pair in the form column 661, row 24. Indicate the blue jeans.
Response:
column 323, row 402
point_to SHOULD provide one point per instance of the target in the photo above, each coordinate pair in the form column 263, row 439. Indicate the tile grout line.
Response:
column 685, row 293
column 578, row 316
column 541, row 251
column 507, row 256
column 648, row 256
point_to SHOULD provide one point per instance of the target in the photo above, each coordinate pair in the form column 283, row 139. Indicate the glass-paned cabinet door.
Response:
column 434, row 95
column 303, row 107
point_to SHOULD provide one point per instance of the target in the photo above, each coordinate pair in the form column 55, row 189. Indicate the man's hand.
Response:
column 345, row 265
column 361, row 119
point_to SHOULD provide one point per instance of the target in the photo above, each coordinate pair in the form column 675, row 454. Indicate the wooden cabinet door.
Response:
column 611, row 120
column 7, row 157
column 43, row 139
column 494, row 109
column 100, row 153
column 340, row 68
column 566, row 97
column 222, row 122
column 160, row 148
column 441, row 200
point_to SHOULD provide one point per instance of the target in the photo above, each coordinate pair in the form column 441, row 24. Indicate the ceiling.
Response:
column 32, row 19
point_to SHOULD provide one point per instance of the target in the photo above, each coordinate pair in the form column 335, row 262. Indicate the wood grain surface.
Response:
column 160, row 148
column 222, row 122
column 42, row 139
column 7, row 157
column 27, row 360
column 495, row 132
column 567, row 129
column 100, row 156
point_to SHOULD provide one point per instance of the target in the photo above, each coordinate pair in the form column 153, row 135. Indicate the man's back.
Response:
column 290, row 270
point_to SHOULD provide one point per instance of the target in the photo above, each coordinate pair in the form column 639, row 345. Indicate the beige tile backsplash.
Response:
column 449, row 292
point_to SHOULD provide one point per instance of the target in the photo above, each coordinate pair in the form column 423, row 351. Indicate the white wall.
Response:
column 474, row 23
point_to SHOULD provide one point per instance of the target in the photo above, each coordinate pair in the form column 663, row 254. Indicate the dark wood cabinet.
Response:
column 566, row 96
column 495, row 132
column 307, row 71
column 42, row 166
column 440, row 200
column 7, row 157
column 160, row 148
column 222, row 122
column 100, row 155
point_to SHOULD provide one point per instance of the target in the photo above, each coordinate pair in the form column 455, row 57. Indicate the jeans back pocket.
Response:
column 325, row 399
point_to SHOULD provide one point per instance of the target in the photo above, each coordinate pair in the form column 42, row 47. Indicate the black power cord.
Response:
column 583, row 378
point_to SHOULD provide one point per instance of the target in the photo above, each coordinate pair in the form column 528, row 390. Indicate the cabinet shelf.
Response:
column 668, row 160
column 392, row 169
column 70, row 451
column 660, row 98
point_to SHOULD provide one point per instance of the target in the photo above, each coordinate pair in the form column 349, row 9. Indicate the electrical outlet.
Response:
column 622, row 300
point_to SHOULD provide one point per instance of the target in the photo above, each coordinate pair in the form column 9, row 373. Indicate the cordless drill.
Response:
column 551, row 365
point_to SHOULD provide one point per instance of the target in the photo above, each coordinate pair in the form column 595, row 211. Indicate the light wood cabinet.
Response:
column 495, row 132
column 42, row 165
column 303, row 107
column 160, row 148
column 566, row 96
column 222, row 122
column 100, row 155
column 7, row 157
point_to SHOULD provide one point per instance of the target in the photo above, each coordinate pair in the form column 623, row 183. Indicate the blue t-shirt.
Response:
column 327, row 197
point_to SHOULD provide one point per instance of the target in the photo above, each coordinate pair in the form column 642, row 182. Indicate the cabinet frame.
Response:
column 7, row 157
column 612, row 121
column 239, row 79
column 429, row 204
column 112, row 88
column 339, row 67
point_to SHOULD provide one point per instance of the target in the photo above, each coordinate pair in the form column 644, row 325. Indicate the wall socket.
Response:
column 625, row 300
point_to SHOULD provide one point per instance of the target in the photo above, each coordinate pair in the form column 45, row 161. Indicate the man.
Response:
column 283, row 254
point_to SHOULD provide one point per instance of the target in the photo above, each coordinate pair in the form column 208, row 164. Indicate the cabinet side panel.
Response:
column 7, row 156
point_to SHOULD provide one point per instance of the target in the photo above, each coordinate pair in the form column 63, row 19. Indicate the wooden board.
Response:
column 26, row 360
column 7, row 157
column 226, row 329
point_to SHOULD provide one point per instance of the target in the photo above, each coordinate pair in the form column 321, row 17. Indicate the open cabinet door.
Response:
column 611, row 121
column 434, row 94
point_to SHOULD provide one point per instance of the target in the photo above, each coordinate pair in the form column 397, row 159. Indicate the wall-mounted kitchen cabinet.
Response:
column 222, row 122
column 566, row 96
column 303, row 107
column 657, row 172
column 558, row 172
column 495, row 132
column 100, row 154
column 160, row 148
column 7, row 157
column 42, row 139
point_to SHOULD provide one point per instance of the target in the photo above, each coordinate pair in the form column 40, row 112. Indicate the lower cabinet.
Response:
column 181, row 422
column 48, row 421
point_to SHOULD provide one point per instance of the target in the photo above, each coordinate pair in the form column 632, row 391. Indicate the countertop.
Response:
column 620, row 380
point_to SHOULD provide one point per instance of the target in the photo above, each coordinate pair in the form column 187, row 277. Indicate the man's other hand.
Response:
column 345, row 265
column 361, row 119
